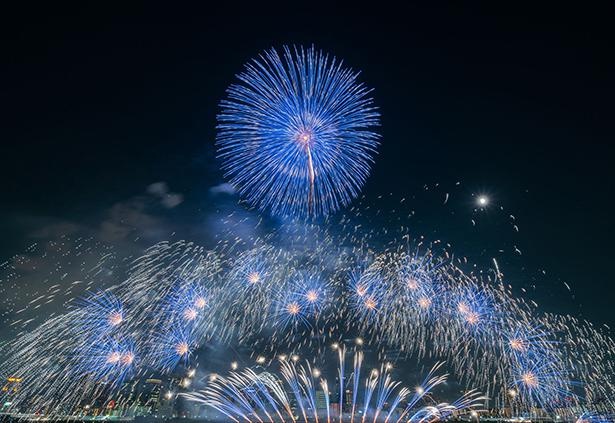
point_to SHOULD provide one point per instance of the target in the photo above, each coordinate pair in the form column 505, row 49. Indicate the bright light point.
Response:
column 213, row 377
column 114, row 357
column 312, row 296
column 191, row 373
column 190, row 314
column 335, row 345
column 359, row 341
column 254, row 277
column 482, row 200
column 512, row 393
column 304, row 137
column 474, row 413
column 128, row 358
column 472, row 318
column 260, row 359
column 168, row 395
column 294, row 358
column 182, row 348
column 282, row 357
column 412, row 284
column 293, row 308
column 388, row 366
column 316, row 373
column 115, row 318
column 370, row 303
column 463, row 308
column 530, row 379
column 419, row 390
column 200, row 302
column 424, row 302
column 186, row 383
column 517, row 344
column 234, row 365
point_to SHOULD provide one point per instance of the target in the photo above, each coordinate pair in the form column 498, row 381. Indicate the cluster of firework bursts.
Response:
column 295, row 138
column 180, row 298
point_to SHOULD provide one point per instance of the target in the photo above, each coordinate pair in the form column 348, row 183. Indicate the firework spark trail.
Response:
column 356, row 379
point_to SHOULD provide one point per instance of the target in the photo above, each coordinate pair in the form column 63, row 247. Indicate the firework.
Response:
column 179, row 297
column 312, row 291
column 524, row 343
column 295, row 135
column 251, row 396
column 173, row 346
column 593, row 417
column 542, row 382
column 107, row 359
column 473, row 308
column 289, row 309
column 102, row 314
column 186, row 305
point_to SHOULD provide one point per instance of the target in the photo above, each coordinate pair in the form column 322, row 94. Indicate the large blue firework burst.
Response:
column 295, row 136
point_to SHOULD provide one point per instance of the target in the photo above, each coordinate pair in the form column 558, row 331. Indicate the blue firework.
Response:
column 419, row 284
column 367, row 293
column 107, row 359
column 312, row 292
column 174, row 346
column 251, row 271
column 290, row 309
column 102, row 313
column 474, row 308
column 542, row 382
column 186, row 304
column 295, row 135
column 524, row 341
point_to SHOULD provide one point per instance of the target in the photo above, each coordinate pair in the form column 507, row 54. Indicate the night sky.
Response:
column 513, row 103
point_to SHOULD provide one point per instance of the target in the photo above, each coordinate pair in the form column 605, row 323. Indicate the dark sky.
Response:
column 517, row 103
